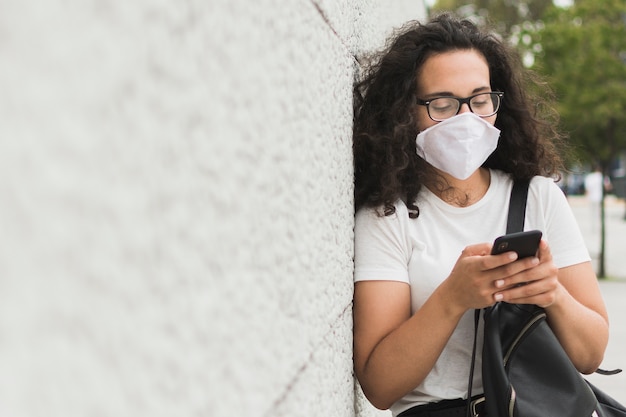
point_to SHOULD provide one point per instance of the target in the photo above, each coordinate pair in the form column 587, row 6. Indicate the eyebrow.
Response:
column 449, row 94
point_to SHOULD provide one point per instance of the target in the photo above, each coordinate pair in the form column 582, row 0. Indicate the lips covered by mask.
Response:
column 458, row 145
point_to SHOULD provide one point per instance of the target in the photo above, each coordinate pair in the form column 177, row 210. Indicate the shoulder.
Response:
column 377, row 214
column 372, row 224
column 547, row 201
column 382, row 244
column 543, row 182
column 541, row 190
column 546, row 188
column 537, row 182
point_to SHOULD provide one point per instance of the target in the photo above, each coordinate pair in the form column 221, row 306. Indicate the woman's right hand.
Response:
column 477, row 277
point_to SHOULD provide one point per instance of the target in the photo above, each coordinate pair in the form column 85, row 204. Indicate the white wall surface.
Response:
column 176, row 205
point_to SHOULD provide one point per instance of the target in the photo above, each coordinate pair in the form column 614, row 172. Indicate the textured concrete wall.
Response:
column 176, row 205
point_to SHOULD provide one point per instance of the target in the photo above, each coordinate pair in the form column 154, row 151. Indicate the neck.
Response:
column 462, row 193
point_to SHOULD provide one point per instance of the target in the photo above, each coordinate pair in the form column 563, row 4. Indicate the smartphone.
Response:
column 524, row 243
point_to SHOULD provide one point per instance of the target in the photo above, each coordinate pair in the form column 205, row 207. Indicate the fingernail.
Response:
column 498, row 297
column 499, row 283
column 512, row 256
column 535, row 261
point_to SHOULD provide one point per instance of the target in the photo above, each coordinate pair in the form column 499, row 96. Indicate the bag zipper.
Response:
column 509, row 352
column 520, row 335
column 512, row 402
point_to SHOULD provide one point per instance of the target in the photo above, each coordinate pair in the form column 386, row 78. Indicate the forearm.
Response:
column 582, row 331
column 403, row 359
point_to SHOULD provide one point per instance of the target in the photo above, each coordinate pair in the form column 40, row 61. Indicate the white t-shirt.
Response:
column 422, row 252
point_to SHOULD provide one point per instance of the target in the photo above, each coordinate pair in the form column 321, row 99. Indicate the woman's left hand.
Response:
column 572, row 299
column 538, row 284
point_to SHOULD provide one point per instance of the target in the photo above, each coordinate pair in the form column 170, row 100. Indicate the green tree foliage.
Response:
column 583, row 56
column 582, row 53
column 513, row 20
column 505, row 16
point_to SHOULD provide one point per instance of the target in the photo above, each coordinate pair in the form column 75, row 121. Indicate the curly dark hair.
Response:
column 386, row 165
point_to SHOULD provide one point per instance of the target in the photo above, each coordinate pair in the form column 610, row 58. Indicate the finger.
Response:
column 544, row 253
column 535, row 290
column 503, row 258
column 509, row 273
column 503, row 267
column 479, row 249
column 523, row 295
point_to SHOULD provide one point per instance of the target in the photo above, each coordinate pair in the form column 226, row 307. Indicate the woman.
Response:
column 442, row 127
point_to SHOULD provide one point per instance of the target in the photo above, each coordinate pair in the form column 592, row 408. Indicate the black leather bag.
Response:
column 526, row 372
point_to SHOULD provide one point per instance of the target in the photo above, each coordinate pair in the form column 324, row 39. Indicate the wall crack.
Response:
column 305, row 365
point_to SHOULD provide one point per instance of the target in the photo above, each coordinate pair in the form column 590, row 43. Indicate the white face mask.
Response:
column 458, row 145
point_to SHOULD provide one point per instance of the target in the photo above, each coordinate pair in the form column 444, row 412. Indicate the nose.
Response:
column 464, row 108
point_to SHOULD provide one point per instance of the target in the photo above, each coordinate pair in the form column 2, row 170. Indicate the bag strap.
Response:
column 517, row 206
column 514, row 223
column 468, row 410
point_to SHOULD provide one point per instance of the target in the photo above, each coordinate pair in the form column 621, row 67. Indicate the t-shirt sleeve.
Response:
column 382, row 247
column 562, row 231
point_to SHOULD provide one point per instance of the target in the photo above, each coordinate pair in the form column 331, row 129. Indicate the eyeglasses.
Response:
column 481, row 104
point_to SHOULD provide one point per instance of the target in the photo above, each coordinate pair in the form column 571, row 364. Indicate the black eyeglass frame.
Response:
column 461, row 101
